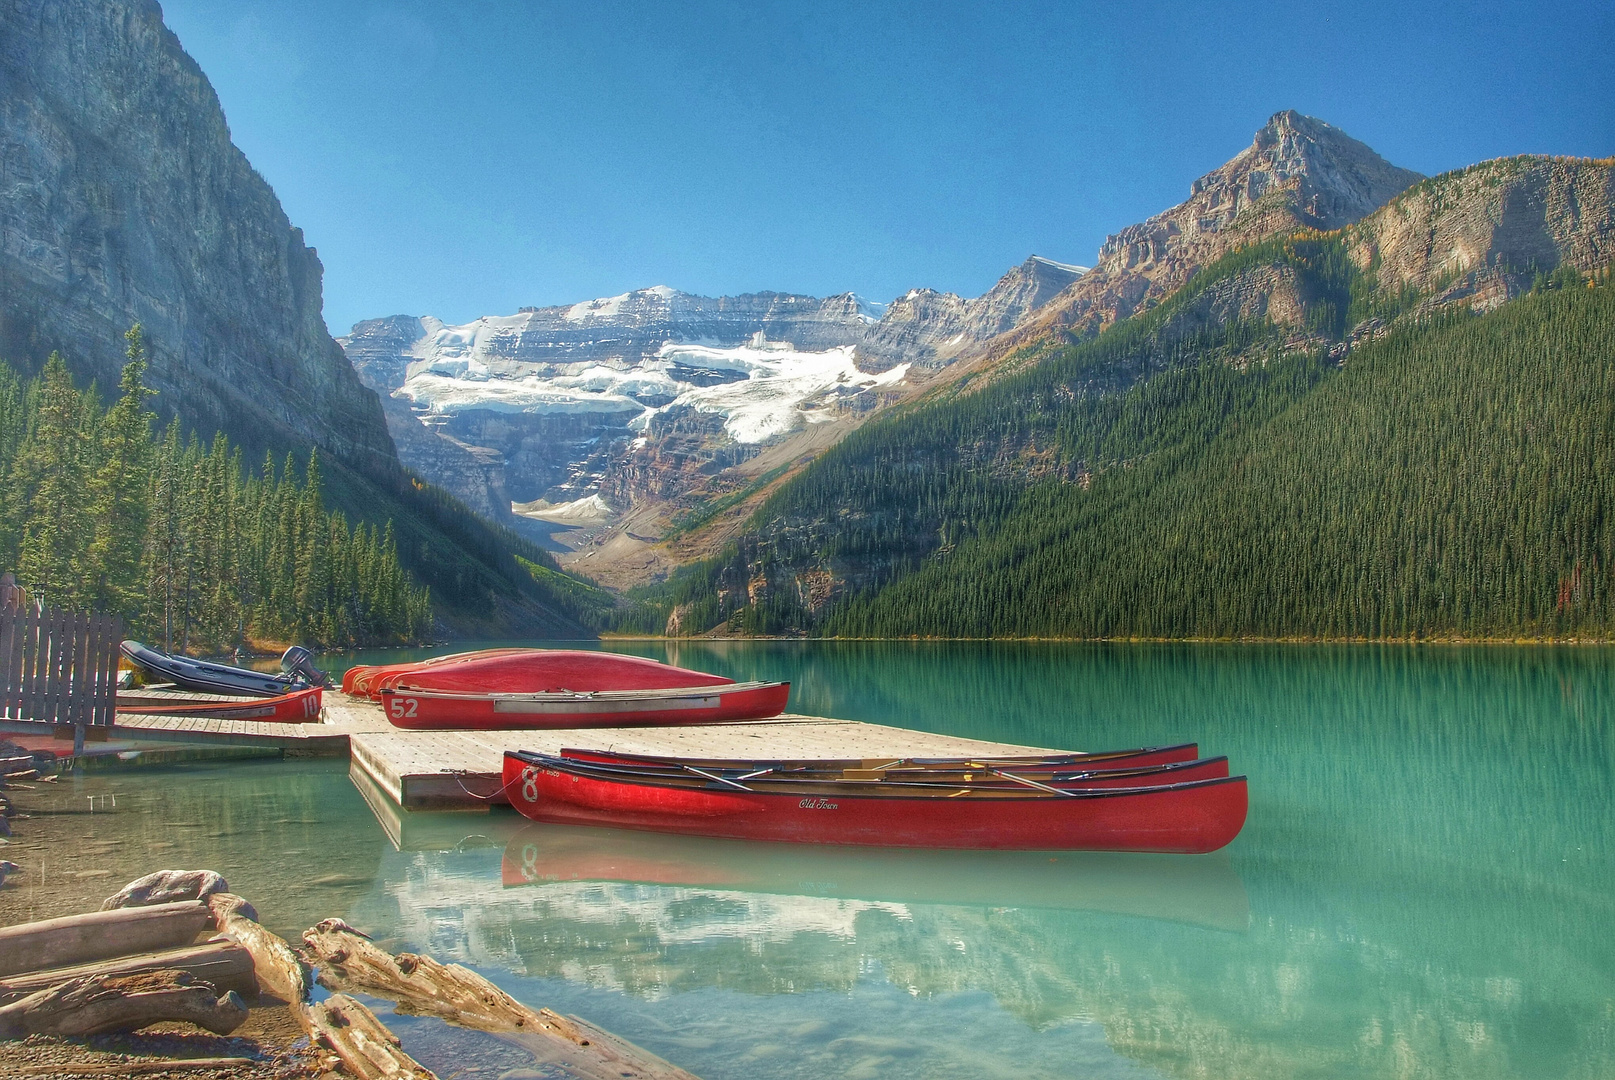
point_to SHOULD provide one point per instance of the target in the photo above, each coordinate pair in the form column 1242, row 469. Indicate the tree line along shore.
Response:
column 101, row 509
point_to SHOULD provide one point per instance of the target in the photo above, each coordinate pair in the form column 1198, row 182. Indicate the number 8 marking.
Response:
column 530, row 784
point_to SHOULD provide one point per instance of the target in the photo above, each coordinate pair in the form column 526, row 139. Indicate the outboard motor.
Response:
column 299, row 663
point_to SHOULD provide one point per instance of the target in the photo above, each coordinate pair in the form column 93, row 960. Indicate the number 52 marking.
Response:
column 403, row 708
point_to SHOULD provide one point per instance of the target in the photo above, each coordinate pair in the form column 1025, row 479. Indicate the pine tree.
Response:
column 165, row 539
column 119, row 505
column 16, row 411
column 54, row 469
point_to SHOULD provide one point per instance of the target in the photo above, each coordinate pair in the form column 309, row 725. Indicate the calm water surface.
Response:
column 1425, row 887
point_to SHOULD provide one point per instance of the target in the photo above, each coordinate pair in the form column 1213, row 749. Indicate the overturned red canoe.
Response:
column 359, row 680
column 297, row 707
column 1190, row 817
column 545, row 671
column 432, row 709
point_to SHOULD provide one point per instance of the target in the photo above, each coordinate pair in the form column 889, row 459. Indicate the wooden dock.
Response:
column 136, row 730
column 460, row 770
column 440, row 770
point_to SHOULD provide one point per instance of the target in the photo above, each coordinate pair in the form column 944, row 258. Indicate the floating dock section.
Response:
column 461, row 770
column 440, row 770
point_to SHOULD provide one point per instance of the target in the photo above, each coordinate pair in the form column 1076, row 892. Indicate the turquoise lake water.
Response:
column 1425, row 886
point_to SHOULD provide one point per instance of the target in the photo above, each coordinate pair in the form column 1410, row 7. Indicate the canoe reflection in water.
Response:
column 1202, row 890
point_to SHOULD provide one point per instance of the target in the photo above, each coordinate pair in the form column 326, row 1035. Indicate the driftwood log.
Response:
column 99, row 935
column 220, row 962
column 350, row 962
column 166, row 887
column 280, row 971
column 366, row 1048
column 96, row 1004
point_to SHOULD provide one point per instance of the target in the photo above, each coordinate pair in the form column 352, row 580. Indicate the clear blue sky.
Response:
column 468, row 158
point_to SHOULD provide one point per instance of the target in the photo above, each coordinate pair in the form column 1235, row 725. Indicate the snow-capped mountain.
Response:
column 646, row 392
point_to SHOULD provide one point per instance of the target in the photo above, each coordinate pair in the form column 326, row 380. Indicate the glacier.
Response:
column 646, row 394
column 762, row 389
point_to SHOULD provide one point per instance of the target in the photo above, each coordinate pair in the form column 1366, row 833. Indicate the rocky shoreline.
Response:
column 97, row 987
column 54, row 876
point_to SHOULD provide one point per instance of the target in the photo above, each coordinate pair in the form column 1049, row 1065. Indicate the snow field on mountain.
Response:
column 773, row 391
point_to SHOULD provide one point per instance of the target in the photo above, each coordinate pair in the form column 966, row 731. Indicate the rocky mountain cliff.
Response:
column 929, row 328
column 1483, row 235
column 1297, row 173
column 123, row 200
column 643, row 395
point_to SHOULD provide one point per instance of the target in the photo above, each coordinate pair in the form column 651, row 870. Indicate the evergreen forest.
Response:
column 1187, row 477
column 101, row 510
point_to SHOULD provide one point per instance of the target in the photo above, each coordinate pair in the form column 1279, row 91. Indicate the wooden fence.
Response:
column 59, row 667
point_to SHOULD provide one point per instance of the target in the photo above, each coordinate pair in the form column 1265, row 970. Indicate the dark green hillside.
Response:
column 486, row 580
column 1180, row 477
column 922, row 480
column 1453, row 480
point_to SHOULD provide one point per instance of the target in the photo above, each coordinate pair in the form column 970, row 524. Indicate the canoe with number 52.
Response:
column 437, row 710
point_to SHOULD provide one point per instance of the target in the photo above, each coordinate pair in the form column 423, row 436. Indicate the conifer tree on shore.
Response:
column 100, row 511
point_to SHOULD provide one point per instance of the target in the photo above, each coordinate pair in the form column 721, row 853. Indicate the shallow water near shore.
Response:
column 1424, row 888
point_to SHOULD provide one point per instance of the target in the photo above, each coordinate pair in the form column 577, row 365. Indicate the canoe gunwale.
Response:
column 1075, row 759
column 922, row 779
column 1006, row 794
column 545, row 697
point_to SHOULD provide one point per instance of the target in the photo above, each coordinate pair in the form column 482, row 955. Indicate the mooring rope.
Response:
column 458, row 774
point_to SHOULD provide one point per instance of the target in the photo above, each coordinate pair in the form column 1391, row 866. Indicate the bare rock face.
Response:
column 1019, row 293
column 929, row 328
column 1297, row 173
column 1480, row 236
column 922, row 325
column 122, row 200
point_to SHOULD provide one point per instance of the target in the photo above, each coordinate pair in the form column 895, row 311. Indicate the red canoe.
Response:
column 719, row 703
column 1191, row 817
column 297, row 707
column 917, row 781
column 1142, row 756
column 358, row 680
column 539, row 671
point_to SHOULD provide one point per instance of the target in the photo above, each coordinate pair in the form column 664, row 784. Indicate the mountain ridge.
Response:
column 1298, row 172
column 854, row 522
